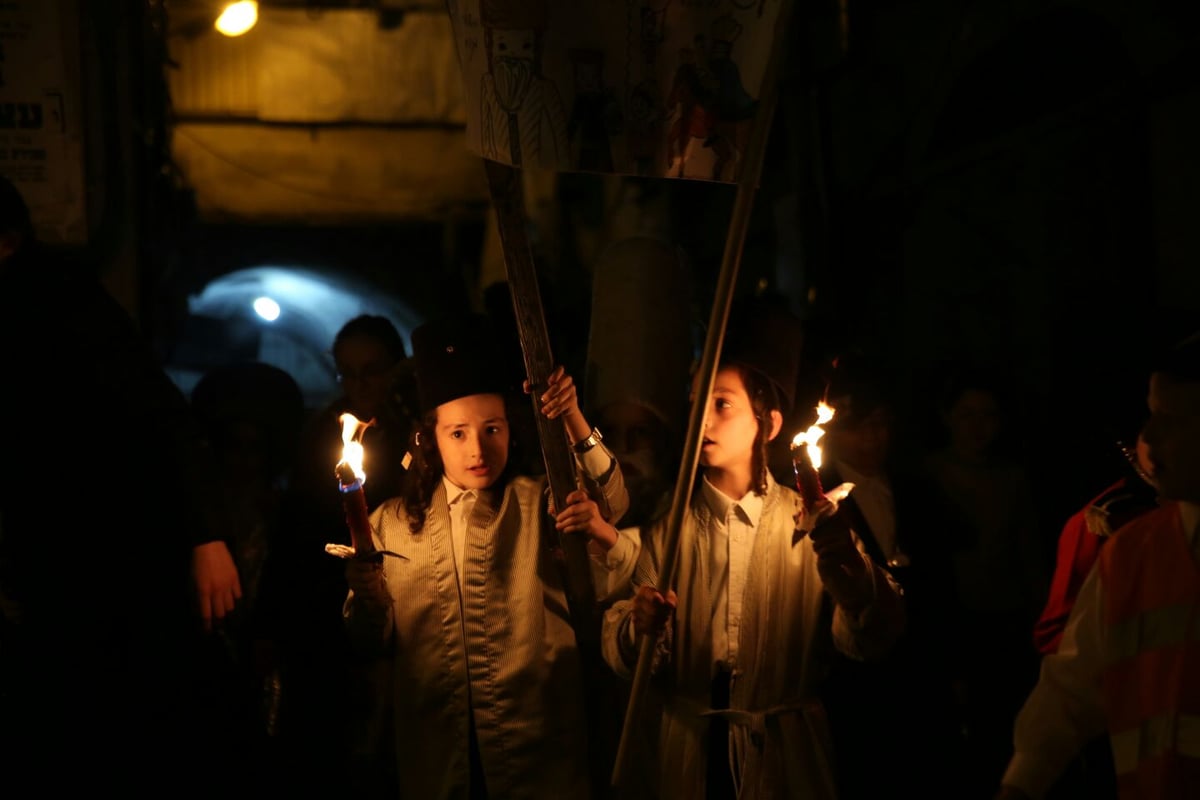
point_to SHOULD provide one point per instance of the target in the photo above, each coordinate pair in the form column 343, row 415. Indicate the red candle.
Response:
column 351, row 478
column 354, row 503
column 806, row 458
column 808, row 481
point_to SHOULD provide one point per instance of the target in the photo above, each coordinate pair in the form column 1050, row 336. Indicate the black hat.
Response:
column 764, row 336
column 455, row 357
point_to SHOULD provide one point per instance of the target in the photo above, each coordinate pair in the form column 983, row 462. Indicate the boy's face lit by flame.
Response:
column 472, row 438
column 730, row 427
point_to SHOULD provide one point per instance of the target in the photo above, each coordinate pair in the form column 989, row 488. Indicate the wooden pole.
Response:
column 507, row 196
column 735, row 239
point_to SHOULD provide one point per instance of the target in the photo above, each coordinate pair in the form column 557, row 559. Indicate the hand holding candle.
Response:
column 351, row 479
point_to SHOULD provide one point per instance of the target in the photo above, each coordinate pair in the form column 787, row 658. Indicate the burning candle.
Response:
column 351, row 479
column 806, row 458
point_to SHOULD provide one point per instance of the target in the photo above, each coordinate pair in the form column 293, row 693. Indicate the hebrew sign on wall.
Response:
column 41, row 138
column 665, row 88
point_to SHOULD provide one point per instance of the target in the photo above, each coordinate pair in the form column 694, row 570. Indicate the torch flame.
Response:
column 811, row 438
column 352, row 448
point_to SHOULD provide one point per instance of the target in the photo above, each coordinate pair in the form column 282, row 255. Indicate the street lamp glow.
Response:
column 267, row 308
column 237, row 18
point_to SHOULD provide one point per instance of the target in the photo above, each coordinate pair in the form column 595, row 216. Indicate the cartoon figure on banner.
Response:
column 693, row 124
column 644, row 114
column 733, row 103
column 595, row 114
column 650, row 32
column 713, row 109
column 522, row 117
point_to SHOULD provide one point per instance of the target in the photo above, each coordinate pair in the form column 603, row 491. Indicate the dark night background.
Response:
column 1013, row 184
column 1008, row 184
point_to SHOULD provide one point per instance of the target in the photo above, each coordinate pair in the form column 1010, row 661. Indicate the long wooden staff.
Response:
column 735, row 239
column 507, row 196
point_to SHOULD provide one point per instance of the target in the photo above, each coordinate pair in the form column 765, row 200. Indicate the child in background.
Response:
column 468, row 598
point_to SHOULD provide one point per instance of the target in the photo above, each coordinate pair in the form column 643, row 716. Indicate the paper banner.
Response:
column 665, row 88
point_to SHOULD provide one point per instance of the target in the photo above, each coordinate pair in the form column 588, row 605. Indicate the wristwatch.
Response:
column 583, row 445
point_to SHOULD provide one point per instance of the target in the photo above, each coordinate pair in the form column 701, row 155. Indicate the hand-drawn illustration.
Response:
column 522, row 118
column 595, row 114
column 688, row 116
column 734, row 106
column 644, row 106
column 633, row 87
column 710, row 109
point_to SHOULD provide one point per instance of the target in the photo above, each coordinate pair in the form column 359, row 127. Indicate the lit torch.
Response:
column 351, row 478
column 806, row 458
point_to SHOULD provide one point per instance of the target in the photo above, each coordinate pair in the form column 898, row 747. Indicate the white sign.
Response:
column 41, row 148
column 664, row 88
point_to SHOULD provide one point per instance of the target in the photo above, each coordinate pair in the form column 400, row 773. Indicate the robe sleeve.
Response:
column 1064, row 711
column 872, row 631
column 370, row 630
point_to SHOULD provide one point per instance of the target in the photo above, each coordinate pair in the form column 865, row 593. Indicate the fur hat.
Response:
column 456, row 357
column 764, row 336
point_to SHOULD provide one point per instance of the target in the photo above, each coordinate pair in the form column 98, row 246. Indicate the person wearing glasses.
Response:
column 319, row 731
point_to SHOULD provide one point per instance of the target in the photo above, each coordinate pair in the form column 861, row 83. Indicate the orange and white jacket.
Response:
column 1129, row 664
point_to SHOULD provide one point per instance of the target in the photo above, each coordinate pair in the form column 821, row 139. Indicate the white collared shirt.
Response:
column 462, row 503
column 595, row 463
column 733, row 526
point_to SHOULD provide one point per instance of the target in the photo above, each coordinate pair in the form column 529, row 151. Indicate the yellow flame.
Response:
column 811, row 438
column 352, row 448
column 237, row 18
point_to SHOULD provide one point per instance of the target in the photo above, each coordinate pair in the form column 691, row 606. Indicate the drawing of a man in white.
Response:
column 522, row 120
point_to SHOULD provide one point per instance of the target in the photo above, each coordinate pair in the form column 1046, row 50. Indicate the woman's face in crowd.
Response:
column 366, row 371
column 974, row 422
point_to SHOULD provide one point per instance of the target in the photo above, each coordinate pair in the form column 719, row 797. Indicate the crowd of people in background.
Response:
column 165, row 588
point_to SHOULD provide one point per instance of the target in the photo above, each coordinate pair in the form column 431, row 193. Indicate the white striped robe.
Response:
column 505, row 652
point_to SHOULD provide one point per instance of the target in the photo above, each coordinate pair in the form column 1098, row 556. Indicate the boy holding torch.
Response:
column 468, row 601
column 755, row 605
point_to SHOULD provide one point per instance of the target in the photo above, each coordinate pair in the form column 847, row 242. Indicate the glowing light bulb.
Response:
column 267, row 308
column 237, row 18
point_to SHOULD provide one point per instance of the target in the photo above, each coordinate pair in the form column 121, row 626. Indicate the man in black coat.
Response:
column 895, row 724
